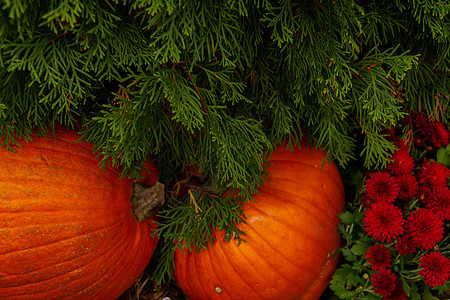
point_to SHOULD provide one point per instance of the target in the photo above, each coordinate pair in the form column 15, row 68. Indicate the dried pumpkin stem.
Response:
column 146, row 201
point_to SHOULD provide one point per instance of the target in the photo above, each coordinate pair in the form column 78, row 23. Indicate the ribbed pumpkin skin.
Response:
column 66, row 227
column 291, row 242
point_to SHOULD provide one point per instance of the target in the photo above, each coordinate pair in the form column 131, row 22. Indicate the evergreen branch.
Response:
column 126, row 51
column 434, row 15
column 17, row 13
column 210, row 32
column 187, row 226
column 22, row 109
column 236, row 149
column 334, row 136
column 193, row 226
column 163, row 262
column 280, row 19
column 230, row 91
column 153, row 7
column 62, row 14
column 55, row 68
column 129, row 131
column 381, row 23
column 377, row 150
column 3, row 107
column 422, row 86
column 376, row 104
column 184, row 98
column 283, row 120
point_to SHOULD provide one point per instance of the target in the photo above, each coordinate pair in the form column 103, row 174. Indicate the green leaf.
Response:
column 426, row 295
column 443, row 156
column 414, row 293
column 406, row 287
column 359, row 215
column 344, row 278
column 360, row 248
column 348, row 255
column 347, row 274
column 347, row 218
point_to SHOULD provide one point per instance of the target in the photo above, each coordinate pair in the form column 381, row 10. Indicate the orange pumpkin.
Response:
column 67, row 228
column 152, row 174
column 291, row 242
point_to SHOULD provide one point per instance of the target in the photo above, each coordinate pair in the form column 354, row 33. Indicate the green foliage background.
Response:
column 218, row 83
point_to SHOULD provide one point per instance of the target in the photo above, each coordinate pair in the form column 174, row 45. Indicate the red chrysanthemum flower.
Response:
column 436, row 268
column 383, row 221
column 405, row 245
column 424, row 194
column 398, row 293
column 367, row 201
column 433, row 174
column 422, row 123
column 438, row 134
column 403, row 162
column 379, row 256
column 384, row 282
column 408, row 186
column 425, row 228
column 439, row 202
column 382, row 187
column 419, row 141
column 398, row 142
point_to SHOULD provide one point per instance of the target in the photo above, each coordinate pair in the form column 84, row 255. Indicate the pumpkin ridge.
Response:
column 338, row 184
column 57, row 183
column 72, row 237
column 296, row 203
column 49, row 266
column 335, row 204
column 185, row 267
column 67, row 240
column 64, row 274
column 255, row 270
column 195, row 277
column 214, row 271
column 23, row 211
column 293, row 228
column 236, row 272
column 323, row 272
column 273, row 267
column 329, row 177
column 273, row 248
column 71, row 144
column 124, row 253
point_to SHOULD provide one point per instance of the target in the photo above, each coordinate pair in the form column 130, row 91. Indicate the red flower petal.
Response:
column 436, row 268
column 425, row 228
column 383, row 221
column 384, row 282
column 433, row 174
column 379, row 256
column 382, row 187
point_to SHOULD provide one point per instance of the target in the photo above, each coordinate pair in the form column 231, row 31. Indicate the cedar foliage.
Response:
column 218, row 83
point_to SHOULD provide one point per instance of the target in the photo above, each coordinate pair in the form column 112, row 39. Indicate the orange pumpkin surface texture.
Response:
column 67, row 229
column 291, row 237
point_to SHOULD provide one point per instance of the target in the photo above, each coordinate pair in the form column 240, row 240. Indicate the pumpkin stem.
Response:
column 146, row 201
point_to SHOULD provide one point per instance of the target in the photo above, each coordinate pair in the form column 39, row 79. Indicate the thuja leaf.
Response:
column 2, row 110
